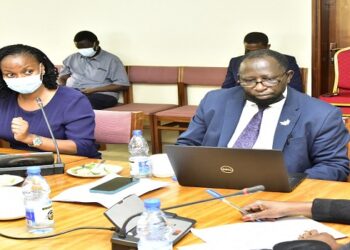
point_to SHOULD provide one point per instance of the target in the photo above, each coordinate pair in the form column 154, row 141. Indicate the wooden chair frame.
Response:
column 177, row 122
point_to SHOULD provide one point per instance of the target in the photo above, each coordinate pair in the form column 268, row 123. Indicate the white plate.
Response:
column 10, row 180
column 12, row 203
column 90, row 170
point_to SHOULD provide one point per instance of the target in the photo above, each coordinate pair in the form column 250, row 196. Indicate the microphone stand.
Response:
column 58, row 166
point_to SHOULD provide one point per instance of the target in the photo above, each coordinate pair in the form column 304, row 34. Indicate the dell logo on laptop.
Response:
column 227, row 169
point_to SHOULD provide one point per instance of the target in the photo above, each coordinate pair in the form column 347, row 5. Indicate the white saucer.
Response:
column 12, row 203
column 10, row 180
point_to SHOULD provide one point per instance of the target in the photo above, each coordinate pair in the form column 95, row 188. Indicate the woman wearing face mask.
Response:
column 27, row 74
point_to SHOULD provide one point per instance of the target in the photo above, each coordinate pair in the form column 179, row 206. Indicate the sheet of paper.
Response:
column 258, row 235
column 82, row 194
column 202, row 246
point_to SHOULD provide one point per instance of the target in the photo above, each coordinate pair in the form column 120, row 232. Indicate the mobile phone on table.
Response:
column 114, row 185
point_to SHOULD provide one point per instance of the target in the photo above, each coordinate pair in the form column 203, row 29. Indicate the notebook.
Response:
column 214, row 167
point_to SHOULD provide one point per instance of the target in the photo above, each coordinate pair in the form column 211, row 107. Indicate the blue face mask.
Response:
column 24, row 85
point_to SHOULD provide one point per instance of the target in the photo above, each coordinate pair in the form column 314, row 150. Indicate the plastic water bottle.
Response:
column 38, row 206
column 139, row 159
column 152, row 228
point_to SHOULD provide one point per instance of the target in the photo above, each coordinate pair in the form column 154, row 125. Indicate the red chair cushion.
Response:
column 344, row 69
column 146, row 108
column 338, row 100
column 183, row 111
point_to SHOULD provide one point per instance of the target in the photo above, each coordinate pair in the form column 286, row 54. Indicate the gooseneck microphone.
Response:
column 244, row 191
column 122, row 232
column 59, row 164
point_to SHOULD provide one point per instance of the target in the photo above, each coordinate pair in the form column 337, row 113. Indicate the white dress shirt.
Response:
column 268, row 126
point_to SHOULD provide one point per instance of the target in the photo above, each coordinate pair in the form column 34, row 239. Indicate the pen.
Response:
column 231, row 204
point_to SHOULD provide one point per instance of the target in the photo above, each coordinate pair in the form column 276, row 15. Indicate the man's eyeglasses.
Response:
column 267, row 82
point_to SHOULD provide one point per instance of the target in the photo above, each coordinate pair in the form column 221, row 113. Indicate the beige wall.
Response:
column 160, row 32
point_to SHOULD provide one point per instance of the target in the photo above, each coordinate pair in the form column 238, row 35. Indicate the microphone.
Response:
column 244, row 191
column 58, row 167
column 249, row 190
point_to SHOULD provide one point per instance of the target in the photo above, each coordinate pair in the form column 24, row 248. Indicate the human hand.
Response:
column 20, row 129
column 87, row 91
column 325, row 237
column 270, row 210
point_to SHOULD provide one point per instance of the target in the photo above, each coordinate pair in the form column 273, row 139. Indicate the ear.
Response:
column 268, row 46
column 289, row 74
column 42, row 68
column 96, row 44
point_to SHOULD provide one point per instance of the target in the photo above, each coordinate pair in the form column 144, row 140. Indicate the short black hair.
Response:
column 256, row 37
column 280, row 58
column 51, row 73
column 85, row 35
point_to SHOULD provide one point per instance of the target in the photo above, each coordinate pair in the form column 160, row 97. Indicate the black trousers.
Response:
column 101, row 101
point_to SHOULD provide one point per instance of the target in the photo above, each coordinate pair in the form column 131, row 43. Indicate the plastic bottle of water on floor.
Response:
column 139, row 160
column 38, row 205
column 152, row 228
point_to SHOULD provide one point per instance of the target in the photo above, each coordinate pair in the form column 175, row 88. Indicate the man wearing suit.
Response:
column 309, row 132
column 254, row 41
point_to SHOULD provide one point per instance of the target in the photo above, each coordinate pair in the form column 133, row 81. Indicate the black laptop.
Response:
column 214, row 167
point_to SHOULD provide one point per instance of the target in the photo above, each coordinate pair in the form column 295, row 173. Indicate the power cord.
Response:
column 56, row 234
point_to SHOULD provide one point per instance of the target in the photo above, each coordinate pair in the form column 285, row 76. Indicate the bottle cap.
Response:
column 33, row 170
column 152, row 204
column 137, row 132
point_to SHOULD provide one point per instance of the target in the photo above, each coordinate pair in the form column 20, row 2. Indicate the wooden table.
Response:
column 71, row 215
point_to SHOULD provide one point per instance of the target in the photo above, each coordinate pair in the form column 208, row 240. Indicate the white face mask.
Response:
column 24, row 85
column 88, row 52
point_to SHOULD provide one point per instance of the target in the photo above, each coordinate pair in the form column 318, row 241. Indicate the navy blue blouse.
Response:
column 69, row 113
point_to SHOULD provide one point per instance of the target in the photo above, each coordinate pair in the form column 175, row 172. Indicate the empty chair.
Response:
column 340, row 95
column 177, row 119
column 154, row 76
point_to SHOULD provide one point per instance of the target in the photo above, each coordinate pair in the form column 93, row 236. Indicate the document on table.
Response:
column 257, row 235
column 82, row 193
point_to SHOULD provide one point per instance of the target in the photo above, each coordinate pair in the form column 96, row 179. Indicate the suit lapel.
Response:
column 232, row 113
column 288, row 118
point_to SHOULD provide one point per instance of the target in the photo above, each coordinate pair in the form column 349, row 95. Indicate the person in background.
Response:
column 254, row 41
column 263, row 113
column 97, row 73
column 28, row 74
column 325, row 210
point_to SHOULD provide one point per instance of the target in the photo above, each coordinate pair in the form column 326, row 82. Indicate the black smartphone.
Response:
column 115, row 185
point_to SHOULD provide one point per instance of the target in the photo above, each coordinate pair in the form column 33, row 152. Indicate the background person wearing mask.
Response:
column 27, row 74
column 97, row 73
column 254, row 41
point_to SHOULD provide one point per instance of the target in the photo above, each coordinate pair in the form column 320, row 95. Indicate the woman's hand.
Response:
column 325, row 237
column 269, row 210
column 20, row 130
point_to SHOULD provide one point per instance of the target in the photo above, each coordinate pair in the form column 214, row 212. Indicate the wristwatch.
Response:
column 36, row 141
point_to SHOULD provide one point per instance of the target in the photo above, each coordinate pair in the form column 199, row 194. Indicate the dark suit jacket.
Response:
column 232, row 73
column 328, row 210
column 310, row 132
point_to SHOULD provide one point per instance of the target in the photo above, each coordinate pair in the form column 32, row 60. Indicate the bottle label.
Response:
column 141, row 166
column 40, row 215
